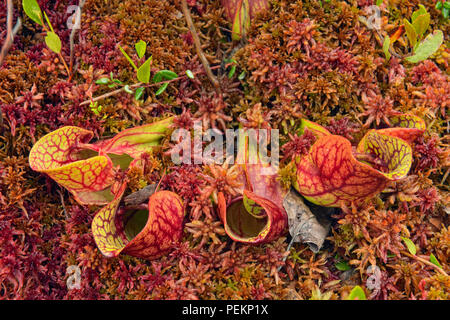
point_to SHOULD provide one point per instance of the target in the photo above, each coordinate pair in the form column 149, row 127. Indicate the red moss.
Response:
column 298, row 145
column 427, row 153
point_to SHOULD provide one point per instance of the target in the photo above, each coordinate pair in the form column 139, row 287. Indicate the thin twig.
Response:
column 74, row 30
column 138, row 85
column 426, row 262
column 10, row 31
column 198, row 47
column 63, row 204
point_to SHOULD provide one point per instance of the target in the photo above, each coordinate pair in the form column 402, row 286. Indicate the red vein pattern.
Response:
column 59, row 154
column 407, row 127
column 263, row 188
column 240, row 227
column 163, row 228
column 137, row 140
column 330, row 173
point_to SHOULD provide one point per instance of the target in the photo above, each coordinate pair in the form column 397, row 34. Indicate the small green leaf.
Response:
column 447, row 5
column 95, row 107
column 143, row 73
column 127, row 89
column 241, row 75
column 232, row 71
column 189, row 74
column 421, row 10
column 53, row 42
column 410, row 245
column 342, row 266
column 102, row 81
column 410, row 33
column 427, row 47
column 439, row 5
column 141, row 47
column 421, row 24
column 386, row 45
column 434, row 261
column 139, row 92
column 128, row 58
column 357, row 293
column 162, row 89
column 445, row 13
column 379, row 2
column 164, row 74
column 32, row 10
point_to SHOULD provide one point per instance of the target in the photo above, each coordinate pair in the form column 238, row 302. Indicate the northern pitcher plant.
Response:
column 333, row 171
column 88, row 171
column 257, row 214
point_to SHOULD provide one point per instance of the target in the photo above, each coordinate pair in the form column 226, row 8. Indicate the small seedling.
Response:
column 52, row 40
column 233, row 64
column 96, row 108
column 422, row 47
column 144, row 71
column 410, row 245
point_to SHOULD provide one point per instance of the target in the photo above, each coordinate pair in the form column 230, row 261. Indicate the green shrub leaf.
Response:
column 53, row 42
column 162, row 89
column 141, row 48
column 410, row 245
column 143, row 73
column 164, row 74
column 342, row 266
column 445, row 13
column 421, row 24
column 139, row 92
column 102, row 81
column 427, row 47
column 357, row 293
column 410, row 33
column 386, row 45
column 32, row 10
column 434, row 260
column 421, row 10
